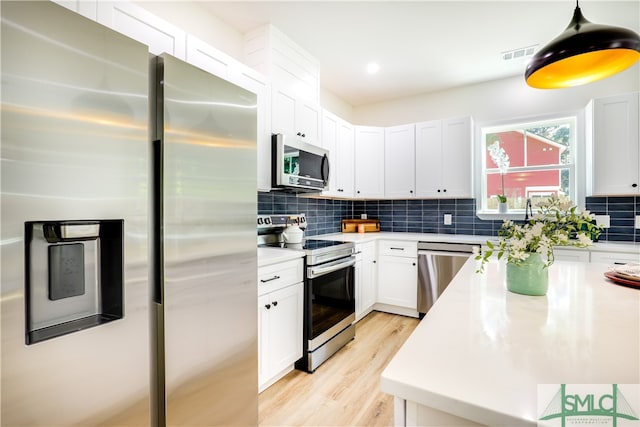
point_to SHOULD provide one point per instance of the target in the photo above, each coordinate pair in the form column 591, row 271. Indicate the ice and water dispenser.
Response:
column 74, row 276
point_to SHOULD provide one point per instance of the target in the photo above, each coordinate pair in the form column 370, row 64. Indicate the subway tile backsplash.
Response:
column 427, row 216
column 622, row 212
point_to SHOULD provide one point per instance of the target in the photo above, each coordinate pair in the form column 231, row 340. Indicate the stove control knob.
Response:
column 260, row 221
column 267, row 221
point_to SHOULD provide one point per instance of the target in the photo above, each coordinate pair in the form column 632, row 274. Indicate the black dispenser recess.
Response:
column 74, row 276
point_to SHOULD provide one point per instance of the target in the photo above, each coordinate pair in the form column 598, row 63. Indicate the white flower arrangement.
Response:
column 501, row 160
column 556, row 224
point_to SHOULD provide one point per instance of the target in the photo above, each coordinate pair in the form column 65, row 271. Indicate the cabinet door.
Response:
column 345, row 159
column 358, row 289
column 369, row 285
column 86, row 8
column 137, row 23
column 283, row 112
column 456, row 157
column 208, row 58
column 285, row 327
column 369, row 162
column 365, row 278
column 338, row 138
column 307, row 121
column 581, row 255
column 428, row 160
column 616, row 153
column 329, row 142
column 251, row 80
column 263, row 338
column 399, row 161
column 398, row 281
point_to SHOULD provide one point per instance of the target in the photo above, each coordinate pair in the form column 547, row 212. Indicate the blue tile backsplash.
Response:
column 622, row 212
column 426, row 216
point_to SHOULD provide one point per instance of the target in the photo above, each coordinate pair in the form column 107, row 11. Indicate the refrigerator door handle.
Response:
column 157, row 256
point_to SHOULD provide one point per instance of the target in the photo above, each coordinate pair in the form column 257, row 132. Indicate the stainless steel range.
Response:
column 329, row 296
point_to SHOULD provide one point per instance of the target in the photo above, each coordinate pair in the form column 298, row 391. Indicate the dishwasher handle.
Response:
column 448, row 253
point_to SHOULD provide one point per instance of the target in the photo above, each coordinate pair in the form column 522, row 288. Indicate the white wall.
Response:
column 335, row 104
column 492, row 101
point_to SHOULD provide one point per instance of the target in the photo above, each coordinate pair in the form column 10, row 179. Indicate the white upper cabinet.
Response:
column 443, row 158
column 369, row 161
column 338, row 137
column 615, row 145
column 289, row 67
column 399, row 161
column 224, row 66
column 86, row 8
column 133, row 21
column 253, row 81
column 295, row 116
column 345, row 159
column 208, row 58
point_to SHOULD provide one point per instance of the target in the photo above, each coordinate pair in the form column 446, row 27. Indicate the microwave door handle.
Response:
column 325, row 169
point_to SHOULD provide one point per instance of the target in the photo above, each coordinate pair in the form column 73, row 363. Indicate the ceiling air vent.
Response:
column 522, row 52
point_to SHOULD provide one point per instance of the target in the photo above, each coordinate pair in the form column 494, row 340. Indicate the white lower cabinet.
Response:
column 365, row 276
column 615, row 257
column 398, row 277
column 571, row 255
column 280, row 320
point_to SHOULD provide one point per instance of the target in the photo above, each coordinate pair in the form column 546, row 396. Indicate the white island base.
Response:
column 480, row 353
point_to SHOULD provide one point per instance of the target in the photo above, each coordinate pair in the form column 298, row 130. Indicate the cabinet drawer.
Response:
column 365, row 251
column 277, row 276
column 614, row 257
column 398, row 248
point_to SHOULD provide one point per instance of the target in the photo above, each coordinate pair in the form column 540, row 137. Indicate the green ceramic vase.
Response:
column 529, row 278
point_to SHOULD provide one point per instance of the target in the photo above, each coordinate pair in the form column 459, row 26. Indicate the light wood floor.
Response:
column 345, row 390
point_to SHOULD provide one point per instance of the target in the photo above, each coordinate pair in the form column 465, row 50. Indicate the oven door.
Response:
column 331, row 300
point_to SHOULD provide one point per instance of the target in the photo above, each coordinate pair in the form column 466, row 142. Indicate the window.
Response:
column 528, row 161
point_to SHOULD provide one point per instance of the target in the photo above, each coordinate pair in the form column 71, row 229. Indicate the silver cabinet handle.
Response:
column 268, row 280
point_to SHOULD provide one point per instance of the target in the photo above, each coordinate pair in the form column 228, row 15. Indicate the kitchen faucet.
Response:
column 528, row 210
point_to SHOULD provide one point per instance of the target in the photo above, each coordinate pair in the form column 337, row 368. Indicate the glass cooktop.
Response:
column 311, row 245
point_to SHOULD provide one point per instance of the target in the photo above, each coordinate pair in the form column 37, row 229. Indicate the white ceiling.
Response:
column 421, row 46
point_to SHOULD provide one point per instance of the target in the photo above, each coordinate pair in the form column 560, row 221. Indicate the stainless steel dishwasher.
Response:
column 438, row 263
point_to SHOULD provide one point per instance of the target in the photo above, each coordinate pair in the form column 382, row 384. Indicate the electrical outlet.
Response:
column 604, row 221
column 638, row 221
column 447, row 219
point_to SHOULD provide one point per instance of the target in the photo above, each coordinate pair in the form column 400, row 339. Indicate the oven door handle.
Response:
column 313, row 272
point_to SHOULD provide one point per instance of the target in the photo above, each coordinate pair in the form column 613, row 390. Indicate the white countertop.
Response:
column 268, row 256
column 603, row 246
column 481, row 351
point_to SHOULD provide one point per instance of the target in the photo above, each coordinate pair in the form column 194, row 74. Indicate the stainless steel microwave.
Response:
column 297, row 165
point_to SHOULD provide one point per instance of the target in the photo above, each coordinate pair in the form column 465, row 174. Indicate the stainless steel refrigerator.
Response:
column 128, row 259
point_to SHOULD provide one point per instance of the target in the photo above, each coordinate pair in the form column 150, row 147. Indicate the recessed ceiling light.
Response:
column 372, row 68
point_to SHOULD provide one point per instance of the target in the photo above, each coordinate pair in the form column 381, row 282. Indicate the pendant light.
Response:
column 583, row 53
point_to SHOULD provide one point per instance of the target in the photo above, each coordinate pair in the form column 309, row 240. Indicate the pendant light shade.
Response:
column 583, row 53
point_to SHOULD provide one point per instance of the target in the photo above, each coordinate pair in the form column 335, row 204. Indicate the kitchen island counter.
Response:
column 601, row 246
column 481, row 351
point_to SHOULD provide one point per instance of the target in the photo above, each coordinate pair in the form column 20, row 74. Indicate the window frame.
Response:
column 576, row 166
